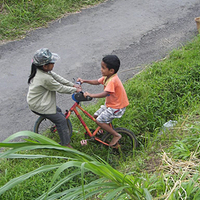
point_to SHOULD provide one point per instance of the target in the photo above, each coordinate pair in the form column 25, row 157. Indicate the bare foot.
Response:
column 115, row 140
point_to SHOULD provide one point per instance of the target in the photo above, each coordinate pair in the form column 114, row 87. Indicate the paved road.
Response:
column 138, row 31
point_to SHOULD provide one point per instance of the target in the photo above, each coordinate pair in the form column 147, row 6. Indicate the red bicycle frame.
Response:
column 92, row 135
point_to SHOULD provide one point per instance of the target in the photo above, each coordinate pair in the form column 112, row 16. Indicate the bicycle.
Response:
column 126, row 144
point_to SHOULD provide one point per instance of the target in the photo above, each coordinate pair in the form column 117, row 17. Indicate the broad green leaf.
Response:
column 40, row 138
column 114, row 192
column 30, row 156
column 147, row 194
column 57, row 185
column 20, row 179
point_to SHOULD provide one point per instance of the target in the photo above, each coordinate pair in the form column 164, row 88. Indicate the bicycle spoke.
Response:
column 46, row 126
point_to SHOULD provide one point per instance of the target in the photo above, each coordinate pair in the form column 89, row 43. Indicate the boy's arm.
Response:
column 99, row 95
column 92, row 82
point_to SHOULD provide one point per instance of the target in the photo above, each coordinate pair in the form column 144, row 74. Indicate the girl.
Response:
column 43, row 85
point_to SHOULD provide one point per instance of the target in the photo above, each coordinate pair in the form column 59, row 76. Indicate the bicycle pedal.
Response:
column 83, row 142
column 100, row 132
column 116, row 146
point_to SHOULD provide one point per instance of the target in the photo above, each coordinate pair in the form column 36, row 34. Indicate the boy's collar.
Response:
column 107, row 80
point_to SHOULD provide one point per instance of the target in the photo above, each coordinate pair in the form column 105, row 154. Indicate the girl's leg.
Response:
column 61, row 124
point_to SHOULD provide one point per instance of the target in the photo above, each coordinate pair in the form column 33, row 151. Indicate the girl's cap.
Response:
column 44, row 56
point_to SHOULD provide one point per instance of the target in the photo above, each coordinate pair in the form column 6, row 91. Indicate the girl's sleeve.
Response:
column 61, row 80
column 52, row 84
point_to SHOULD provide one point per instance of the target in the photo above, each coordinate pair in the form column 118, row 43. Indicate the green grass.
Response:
column 166, row 164
column 18, row 17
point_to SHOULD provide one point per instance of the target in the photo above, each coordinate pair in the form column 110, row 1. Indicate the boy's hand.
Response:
column 86, row 94
column 80, row 80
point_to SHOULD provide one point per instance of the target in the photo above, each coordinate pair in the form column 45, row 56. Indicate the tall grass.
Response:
column 19, row 17
column 165, row 90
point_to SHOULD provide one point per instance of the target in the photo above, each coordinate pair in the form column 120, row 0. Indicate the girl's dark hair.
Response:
column 112, row 62
column 33, row 71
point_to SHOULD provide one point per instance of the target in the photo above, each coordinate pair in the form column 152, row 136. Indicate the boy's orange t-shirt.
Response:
column 117, row 97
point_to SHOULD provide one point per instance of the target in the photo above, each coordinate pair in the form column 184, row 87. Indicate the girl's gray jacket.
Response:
column 42, row 90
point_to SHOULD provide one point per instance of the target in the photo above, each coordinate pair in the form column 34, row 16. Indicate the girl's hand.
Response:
column 77, row 86
column 78, row 90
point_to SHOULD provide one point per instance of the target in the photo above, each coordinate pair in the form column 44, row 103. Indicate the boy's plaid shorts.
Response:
column 106, row 115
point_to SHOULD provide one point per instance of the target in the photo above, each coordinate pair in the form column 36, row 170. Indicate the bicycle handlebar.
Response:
column 80, row 97
column 78, row 83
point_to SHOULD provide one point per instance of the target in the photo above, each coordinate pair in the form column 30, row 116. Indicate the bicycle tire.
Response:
column 128, row 141
column 43, row 125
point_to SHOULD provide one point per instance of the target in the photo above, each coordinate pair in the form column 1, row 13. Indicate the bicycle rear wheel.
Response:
column 128, row 141
column 45, row 126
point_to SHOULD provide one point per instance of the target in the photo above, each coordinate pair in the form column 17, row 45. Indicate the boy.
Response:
column 116, row 98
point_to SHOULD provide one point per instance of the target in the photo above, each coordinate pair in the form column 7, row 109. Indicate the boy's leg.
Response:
column 106, row 127
column 98, row 112
column 105, row 116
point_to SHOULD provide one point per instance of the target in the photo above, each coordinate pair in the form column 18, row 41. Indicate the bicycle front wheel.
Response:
column 45, row 126
column 128, row 141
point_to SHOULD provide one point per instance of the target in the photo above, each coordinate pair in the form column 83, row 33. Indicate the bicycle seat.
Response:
column 80, row 97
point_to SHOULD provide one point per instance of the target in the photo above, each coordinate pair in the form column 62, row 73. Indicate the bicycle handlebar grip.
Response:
column 78, row 83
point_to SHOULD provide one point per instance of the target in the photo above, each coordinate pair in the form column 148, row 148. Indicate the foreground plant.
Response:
column 111, row 184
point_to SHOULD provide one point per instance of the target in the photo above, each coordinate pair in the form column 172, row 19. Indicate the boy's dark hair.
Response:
column 112, row 62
